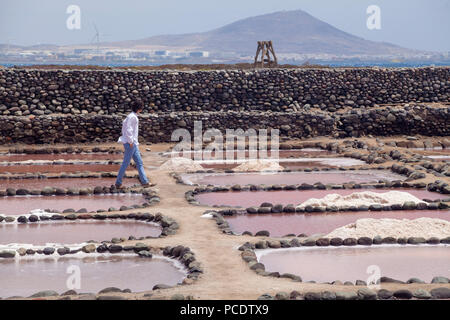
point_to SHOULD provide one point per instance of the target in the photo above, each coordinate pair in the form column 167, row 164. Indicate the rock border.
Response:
column 437, row 186
column 441, row 293
column 62, row 150
column 399, row 154
column 58, row 162
column 150, row 196
column 372, row 158
column 223, row 225
column 168, row 225
column 65, row 175
column 408, row 173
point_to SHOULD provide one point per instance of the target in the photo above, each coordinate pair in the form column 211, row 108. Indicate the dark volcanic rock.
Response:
column 87, row 103
column 48, row 251
column 403, row 294
column 385, row 294
column 440, row 293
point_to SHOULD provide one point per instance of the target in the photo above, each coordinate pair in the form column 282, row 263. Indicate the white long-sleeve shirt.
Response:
column 130, row 129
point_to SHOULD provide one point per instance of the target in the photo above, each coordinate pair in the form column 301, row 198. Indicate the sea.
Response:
column 344, row 63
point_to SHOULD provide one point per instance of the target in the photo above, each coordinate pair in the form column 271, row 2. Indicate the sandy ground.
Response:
column 226, row 275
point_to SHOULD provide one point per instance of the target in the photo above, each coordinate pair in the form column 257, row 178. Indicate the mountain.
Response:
column 291, row 32
column 41, row 46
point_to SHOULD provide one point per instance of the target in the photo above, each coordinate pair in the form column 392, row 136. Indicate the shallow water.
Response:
column 77, row 183
column 350, row 264
column 26, row 276
column 440, row 158
column 291, row 164
column 62, row 168
column 294, row 153
column 312, row 223
column 73, row 232
column 63, row 156
column 256, row 198
column 221, row 179
column 436, row 151
column 18, row 205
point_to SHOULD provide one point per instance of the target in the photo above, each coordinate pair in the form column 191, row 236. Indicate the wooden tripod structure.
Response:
column 265, row 48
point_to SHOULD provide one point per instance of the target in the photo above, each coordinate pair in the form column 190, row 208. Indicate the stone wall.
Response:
column 86, row 106
column 410, row 120
column 24, row 92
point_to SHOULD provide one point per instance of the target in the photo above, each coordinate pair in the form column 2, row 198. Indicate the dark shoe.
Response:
column 145, row 184
column 118, row 186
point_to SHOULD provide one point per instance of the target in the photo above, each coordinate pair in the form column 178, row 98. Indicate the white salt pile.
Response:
column 180, row 165
column 362, row 198
column 421, row 227
column 259, row 165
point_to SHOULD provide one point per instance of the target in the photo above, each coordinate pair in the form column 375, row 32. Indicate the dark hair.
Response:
column 137, row 105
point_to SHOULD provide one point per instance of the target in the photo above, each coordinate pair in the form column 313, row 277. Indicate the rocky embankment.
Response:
column 412, row 120
column 78, row 106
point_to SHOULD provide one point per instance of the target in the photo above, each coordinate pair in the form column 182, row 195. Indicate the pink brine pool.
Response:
column 256, row 198
column 24, row 204
column 221, row 179
column 72, row 232
column 26, row 276
column 351, row 264
column 314, row 223
column 77, row 183
column 436, row 151
column 440, row 158
column 293, row 153
column 63, row 156
column 62, row 168
column 291, row 163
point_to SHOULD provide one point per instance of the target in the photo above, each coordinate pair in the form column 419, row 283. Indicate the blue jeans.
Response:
column 136, row 155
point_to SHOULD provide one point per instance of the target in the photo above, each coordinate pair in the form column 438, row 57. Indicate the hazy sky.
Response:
column 417, row 24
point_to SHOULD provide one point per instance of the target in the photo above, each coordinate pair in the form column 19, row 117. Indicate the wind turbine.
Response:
column 97, row 36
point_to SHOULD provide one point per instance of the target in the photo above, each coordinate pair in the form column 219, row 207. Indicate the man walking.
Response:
column 129, row 139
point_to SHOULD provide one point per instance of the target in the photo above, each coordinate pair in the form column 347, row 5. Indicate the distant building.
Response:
column 80, row 51
column 199, row 54
column 163, row 53
column 139, row 55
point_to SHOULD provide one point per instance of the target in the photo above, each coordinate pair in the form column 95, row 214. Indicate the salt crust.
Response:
column 405, row 228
